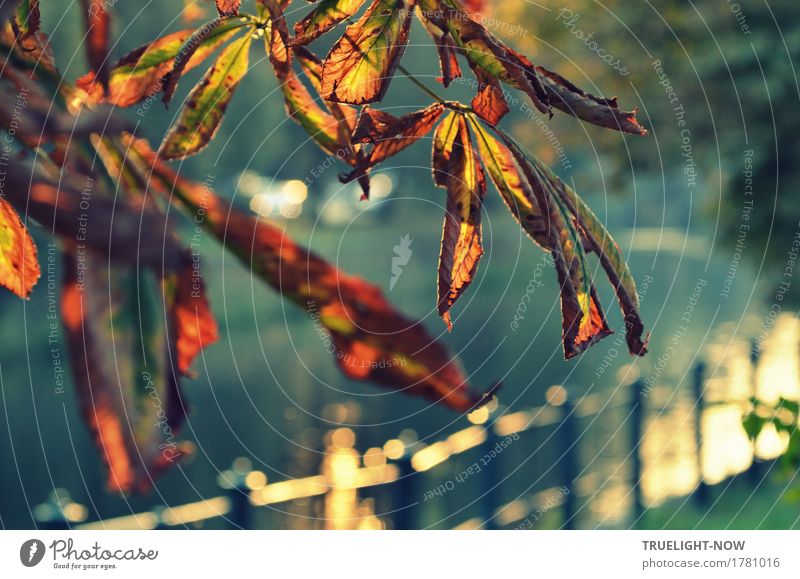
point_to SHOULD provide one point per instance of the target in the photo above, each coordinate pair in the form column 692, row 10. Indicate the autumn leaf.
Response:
column 583, row 321
column 319, row 123
column 372, row 341
column 190, row 315
column 483, row 51
column 129, row 397
column 184, row 290
column 31, row 53
column 325, row 15
column 603, row 112
column 361, row 64
column 27, row 18
column 19, row 266
column 489, row 103
column 532, row 195
column 193, row 10
column 194, row 50
column 389, row 135
column 117, row 223
column 346, row 115
column 98, row 33
column 139, row 74
column 509, row 181
column 611, row 258
column 445, row 47
column 491, row 59
column 228, row 7
column 459, row 170
column 329, row 124
column 202, row 112
column 444, row 139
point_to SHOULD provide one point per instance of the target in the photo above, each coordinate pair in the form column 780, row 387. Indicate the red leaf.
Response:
column 389, row 135
column 193, row 323
column 372, row 340
column 490, row 103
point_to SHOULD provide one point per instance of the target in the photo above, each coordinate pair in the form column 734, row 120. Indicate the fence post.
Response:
column 702, row 492
column 402, row 493
column 755, row 473
column 490, row 481
column 234, row 482
column 637, row 417
column 569, row 458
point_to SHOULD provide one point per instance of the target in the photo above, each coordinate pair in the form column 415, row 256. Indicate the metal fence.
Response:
column 596, row 474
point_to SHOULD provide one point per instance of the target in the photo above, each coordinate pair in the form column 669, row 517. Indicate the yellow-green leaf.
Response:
column 509, row 181
column 461, row 233
column 203, row 110
column 360, row 65
column 325, row 15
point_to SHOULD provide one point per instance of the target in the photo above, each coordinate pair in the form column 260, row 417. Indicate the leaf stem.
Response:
column 419, row 84
column 453, row 105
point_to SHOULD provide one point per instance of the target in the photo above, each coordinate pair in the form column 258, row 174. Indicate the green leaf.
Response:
column 791, row 405
column 203, row 110
column 753, row 424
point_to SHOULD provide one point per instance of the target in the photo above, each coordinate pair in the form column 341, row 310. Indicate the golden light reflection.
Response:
column 394, row 449
column 556, row 395
column 374, row 457
column 480, row 416
column 255, row 480
column 511, row 423
column 456, row 443
column 343, row 438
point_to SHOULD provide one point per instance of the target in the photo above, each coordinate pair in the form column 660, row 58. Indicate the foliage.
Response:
column 97, row 185
column 784, row 417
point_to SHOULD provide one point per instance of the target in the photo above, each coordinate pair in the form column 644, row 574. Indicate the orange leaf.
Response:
column 193, row 323
column 461, row 234
column 129, row 396
column 361, row 64
column 326, row 15
column 489, row 103
column 19, row 267
column 228, row 7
